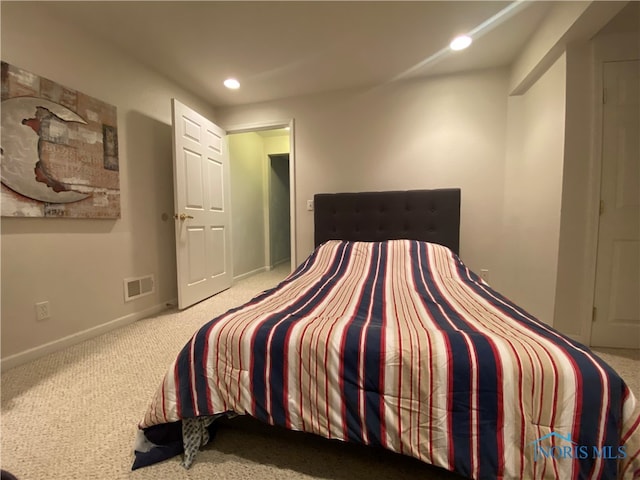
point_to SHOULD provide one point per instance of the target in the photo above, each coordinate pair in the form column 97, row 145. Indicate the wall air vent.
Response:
column 138, row 287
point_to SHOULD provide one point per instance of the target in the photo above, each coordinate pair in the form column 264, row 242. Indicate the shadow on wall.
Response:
column 150, row 195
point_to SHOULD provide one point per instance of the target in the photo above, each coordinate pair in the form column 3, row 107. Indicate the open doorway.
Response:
column 279, row 224
column 261, row 213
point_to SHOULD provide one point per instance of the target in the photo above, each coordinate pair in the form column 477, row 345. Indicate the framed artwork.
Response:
column 59, row 150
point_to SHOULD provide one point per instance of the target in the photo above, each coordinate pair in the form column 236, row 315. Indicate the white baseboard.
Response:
column 266, row 268
column 252, row 272
column 51, row 347
column 280, row 262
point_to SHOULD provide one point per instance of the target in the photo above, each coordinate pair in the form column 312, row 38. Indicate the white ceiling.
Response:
column 283, row 49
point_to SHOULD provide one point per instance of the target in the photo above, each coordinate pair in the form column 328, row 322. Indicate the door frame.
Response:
column 272, row 125
column 606, row 48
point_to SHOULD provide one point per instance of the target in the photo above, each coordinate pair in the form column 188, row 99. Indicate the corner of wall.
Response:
column 565, row 23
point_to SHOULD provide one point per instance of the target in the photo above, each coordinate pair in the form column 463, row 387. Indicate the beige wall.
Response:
column 532, row 194
column 538, row 54
column 570, row 188
column 572, row 305
column 79, row 265
column 277, row 144
column 430, row 133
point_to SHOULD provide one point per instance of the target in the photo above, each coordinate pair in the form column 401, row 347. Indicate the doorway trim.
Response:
column 272, row 125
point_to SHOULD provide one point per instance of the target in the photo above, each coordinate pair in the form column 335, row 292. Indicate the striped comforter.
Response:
column 398, row 344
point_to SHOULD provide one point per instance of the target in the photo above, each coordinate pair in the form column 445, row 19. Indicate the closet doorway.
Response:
column 279, row 224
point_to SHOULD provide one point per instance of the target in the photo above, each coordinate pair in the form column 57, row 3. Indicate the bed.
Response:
column 383, row 336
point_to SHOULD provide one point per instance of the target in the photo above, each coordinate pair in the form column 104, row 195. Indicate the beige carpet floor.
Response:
column 73, row 414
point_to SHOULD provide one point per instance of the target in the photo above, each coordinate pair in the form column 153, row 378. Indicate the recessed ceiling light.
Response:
column 232, row 83
column 460, row 43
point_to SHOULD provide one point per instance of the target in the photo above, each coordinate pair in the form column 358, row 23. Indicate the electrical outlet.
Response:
column 42, row 311
column 484, row 274
column 310, row 205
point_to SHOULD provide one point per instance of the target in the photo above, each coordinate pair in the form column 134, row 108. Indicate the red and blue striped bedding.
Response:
column 399, row 344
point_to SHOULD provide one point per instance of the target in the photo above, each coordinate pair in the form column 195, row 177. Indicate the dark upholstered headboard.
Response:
column 426, row 215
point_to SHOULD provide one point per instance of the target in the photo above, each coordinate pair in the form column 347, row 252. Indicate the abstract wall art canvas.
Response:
column 59, row 150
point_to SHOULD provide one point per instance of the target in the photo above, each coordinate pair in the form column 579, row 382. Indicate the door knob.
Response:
column 182, row 216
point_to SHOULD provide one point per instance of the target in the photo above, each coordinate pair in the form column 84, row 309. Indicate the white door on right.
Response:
column 617, row 290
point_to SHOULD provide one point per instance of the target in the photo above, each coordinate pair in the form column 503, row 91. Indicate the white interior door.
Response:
column 617, row 289
column 202, row 200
